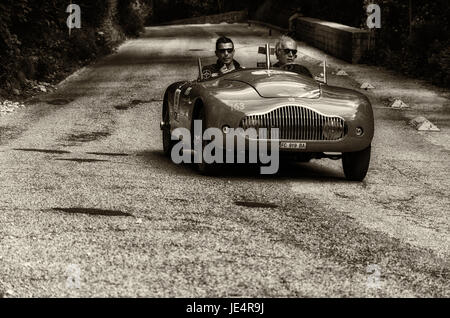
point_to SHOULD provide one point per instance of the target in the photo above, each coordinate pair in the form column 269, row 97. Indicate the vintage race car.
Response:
column 314, row 120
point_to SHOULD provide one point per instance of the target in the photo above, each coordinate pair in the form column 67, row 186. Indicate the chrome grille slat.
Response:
column 297, row 123
column 280, row 123
column 302, row 123
column 294, row 120
column 292, row 130
column 314, row 137
column 308, row 124
column 305, row 124
column 285, row 112
column 316, row 124
column 289, row 122
column 322, row 123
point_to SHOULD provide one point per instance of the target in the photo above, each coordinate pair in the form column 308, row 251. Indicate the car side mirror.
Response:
column 267, row 51
column 323, row 78
column 263, row 50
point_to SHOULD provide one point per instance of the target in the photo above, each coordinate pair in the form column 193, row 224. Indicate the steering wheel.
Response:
column 206, row 74
column 297, row 68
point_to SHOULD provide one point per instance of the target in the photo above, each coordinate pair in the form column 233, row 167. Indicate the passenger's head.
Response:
column 225, row 50
column 286, row 50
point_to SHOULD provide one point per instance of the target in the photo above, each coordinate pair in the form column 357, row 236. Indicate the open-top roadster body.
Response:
column 315, row 120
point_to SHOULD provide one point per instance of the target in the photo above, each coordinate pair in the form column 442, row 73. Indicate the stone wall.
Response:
column 342, row 41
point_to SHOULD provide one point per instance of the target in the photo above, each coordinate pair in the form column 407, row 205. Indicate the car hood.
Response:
column 243, row 99
column 277, row 83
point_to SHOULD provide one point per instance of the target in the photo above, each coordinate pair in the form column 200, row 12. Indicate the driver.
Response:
column 225, row 62
column 285, row 50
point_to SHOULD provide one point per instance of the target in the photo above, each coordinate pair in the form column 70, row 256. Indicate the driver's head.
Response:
column 225, row 50
column 286, row 50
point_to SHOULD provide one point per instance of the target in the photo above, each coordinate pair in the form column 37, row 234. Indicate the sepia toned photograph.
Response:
column 221, row 149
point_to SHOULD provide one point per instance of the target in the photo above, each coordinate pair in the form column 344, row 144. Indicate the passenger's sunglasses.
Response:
column 287, row 51
column 227, row 50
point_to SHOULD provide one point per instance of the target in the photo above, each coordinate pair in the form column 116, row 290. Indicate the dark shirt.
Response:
column 277, row 64
column 215, row 70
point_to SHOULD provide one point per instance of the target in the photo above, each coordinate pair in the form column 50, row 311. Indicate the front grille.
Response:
column 297, row 123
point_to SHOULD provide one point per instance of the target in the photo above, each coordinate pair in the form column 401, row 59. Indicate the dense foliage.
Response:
column 169, row 10
column 132, row 15
column 349, row 12
column 35, row 41
column 415, row 42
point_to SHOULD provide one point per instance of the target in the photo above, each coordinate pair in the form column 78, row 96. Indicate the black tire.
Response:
column 166, row 135
column 356, row 164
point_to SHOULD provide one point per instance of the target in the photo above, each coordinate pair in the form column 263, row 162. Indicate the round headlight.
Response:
column 332, row 130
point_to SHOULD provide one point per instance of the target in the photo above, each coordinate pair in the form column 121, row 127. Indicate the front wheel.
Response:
column 356, row 164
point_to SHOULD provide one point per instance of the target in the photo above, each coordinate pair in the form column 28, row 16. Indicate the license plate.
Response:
column 293, row 145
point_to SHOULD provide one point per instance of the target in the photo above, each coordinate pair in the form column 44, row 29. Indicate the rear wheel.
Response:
column 166, row 135
column 356, row 164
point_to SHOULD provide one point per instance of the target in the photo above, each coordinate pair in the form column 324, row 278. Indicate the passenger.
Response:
column 286, row 52
column 225, row 62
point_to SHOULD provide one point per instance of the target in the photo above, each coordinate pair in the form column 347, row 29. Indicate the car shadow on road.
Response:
column 288, row 169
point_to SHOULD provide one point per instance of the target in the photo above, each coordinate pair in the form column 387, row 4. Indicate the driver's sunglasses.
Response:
column 227, row 50
column 287, row 51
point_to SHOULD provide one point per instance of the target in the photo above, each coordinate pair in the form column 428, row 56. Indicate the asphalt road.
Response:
column 90, row 207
